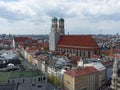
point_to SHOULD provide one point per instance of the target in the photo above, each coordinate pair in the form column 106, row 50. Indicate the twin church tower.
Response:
column 57, row 29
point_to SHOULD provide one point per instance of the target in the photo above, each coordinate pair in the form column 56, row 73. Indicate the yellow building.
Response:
column 80, row 79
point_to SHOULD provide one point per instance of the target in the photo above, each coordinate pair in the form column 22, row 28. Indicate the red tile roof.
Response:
column 81, row 71
column 21, row 39
column 8, row 42
column 45, row 44
column 77, row 41
column 1, row 41
column 32, row 48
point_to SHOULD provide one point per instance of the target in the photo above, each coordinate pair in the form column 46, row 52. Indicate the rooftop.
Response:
column 77, row 41
column 92, row 62
column 19, row 74
column 21, row 39
column 81, row 71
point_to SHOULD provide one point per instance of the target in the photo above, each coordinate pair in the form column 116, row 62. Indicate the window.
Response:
column 88, row 53
column 8, row 81
column 23, row 80
column 95, row 52
column 83, row 53
column 39, row 79
column 80, row 52
column 12, row 81
column 39, row 86
column 34, row 79
column 44, row 78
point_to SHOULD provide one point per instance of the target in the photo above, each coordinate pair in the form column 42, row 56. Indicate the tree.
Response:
column 46, row 48
column 54, row 80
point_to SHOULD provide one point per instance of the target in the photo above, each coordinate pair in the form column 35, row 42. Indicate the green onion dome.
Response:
column 61, row 20
column 54, row 19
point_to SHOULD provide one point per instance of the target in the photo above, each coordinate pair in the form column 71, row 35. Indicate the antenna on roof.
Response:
column 68, row 33
column 101, row 31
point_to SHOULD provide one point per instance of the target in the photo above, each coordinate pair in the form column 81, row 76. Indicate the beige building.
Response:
column 101, row 75
column 81, row 79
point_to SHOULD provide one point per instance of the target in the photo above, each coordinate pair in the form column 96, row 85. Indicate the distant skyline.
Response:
column 81, row 16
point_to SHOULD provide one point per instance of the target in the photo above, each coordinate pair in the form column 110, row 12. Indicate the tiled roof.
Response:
column 8, row 42
column 1, row 41
column 45, row 44
column 21, row 39
column 32, row 48
column 43, row 57
column 77, row 41
column 81, row 71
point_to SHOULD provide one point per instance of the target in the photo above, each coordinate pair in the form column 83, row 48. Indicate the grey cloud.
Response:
column 100, row 16
column 55, row 12
column 60, row 11
column 12, row 16
column 37, row 21
column 113, row 17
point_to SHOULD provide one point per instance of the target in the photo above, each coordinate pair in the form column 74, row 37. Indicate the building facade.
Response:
column 101, row 75
column 23, row 80
column 81, row 79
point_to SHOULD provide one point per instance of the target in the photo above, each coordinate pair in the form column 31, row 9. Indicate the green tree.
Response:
column 46, row 48
column 54, row 80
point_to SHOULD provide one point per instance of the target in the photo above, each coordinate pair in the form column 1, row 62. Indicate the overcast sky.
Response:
column 81, row 16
